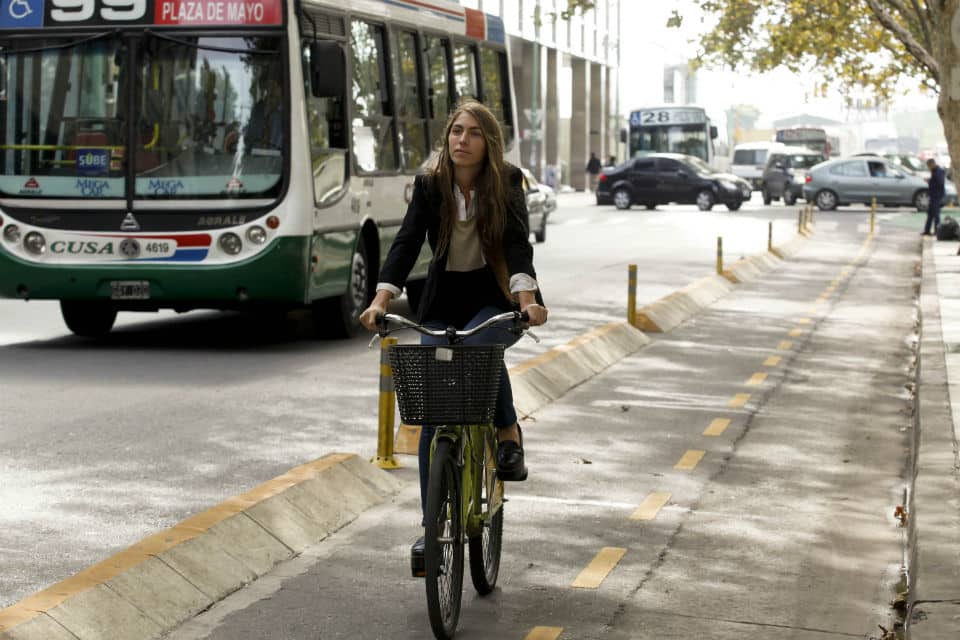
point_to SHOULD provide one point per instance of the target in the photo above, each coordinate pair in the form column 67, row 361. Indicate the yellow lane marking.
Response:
column 786, row 345
column 544, row 633
column 813, row 310
column 835, row 282
column 795, row 333
column 738, row 400
column 599, row 568
column 756, row 379
column 717, row 427
column 651, row 506
column 772, row 361
column 821, row 300
column 803, row 321
column 690, row 460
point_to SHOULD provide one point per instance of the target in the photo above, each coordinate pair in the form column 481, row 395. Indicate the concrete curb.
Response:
column 153, row 586
column 934, row 506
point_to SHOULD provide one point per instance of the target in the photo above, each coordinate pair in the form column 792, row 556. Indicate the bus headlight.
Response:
column 35, row 243
column 256, row 235
column 11, row 233
column 231, row 243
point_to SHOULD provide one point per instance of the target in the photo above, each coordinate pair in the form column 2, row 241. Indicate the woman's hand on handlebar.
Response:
column 537, row 314
column 376, row 309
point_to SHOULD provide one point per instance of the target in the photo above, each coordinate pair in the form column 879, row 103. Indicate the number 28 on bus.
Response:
column 192, row 154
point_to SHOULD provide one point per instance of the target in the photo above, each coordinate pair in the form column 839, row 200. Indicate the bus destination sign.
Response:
column 32, row 14
column 663, row 117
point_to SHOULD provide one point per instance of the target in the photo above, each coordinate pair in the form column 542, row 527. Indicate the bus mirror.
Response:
column 327, row 69
column 713, row 132
column 623, row 135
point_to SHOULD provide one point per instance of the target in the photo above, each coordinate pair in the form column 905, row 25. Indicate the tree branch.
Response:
column 924, row 57
column 924, row 19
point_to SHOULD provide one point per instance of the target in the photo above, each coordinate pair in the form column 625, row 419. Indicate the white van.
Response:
column 749, row 160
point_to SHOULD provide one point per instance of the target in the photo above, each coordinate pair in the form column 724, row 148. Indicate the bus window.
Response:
column 496, row 89
column 439, row 92
column 465, row 72
column 410, row 117
column 327, row 145
column 373, row 131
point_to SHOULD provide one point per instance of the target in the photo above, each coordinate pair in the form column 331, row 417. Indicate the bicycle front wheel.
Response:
column 443, row 542
column 485, row 548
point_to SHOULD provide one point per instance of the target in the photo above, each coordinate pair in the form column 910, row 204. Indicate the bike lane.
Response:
column 735, row 478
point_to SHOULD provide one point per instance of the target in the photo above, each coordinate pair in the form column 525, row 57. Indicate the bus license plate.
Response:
column 130, row 290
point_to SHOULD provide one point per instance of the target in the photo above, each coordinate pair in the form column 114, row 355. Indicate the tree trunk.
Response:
column 946, row 50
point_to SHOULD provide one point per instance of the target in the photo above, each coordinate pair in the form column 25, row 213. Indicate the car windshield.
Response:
column 805, row 160
column 208, row 120
column 699, row 166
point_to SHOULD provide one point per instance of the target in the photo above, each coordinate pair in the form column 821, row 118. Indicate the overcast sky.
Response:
column 648, row 44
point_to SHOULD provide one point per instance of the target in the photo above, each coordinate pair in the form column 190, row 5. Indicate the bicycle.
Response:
column 455, row 387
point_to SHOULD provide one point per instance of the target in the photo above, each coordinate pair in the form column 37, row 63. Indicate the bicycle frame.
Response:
column 469, row 441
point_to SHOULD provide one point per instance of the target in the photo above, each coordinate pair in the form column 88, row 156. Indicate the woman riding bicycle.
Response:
column 472, row 210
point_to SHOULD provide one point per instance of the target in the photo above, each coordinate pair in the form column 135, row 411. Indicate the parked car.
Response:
column 662, row 178
column 750, row 159
column 536, row 206
column 786, row 172
column 843, row 181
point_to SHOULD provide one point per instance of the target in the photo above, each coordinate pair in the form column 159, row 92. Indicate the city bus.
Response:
column 810, row 137
column 673, row 129
column 225, row 154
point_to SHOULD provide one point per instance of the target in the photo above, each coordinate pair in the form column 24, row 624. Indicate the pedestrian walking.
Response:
column 593, row 170
column 936, row 192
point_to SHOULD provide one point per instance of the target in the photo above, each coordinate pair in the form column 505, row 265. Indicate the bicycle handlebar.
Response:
column 450, row 333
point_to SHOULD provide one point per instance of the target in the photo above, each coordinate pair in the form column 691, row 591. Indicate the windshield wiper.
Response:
column 51, row 47
column 206, row 47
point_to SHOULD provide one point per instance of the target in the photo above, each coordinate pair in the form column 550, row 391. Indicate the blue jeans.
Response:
column 504, row 414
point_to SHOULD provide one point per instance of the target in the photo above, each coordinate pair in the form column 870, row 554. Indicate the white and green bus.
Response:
column 225, row 154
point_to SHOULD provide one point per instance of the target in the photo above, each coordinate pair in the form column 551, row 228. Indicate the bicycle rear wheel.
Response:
column 443, row 543
column 485, row 548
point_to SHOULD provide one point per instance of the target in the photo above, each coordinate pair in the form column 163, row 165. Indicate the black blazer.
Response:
column 423, row 220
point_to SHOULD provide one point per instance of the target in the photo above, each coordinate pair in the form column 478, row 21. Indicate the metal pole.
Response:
column 720, row 254
column 873, row 214
column 534, row 93
column 387, row 414
column 770, row 236
column 799, row 220
column 632, row 294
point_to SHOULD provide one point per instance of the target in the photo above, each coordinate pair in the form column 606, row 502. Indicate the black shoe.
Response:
column 417, row 568
column 510, row 466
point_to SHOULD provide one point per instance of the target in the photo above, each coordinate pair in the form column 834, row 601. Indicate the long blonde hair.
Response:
column 490, row 190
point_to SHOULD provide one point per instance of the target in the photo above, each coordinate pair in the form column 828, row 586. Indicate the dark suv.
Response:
column 662, row 178
column 785, row 173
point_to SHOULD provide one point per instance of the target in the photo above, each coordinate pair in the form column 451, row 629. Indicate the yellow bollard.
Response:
column 719, row 254
column 387, row 416
column 800, row 221
column 770, row 236
column 873, row 214
column 632, row 295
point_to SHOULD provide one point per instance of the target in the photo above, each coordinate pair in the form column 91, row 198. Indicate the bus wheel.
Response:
column 339, row 317
column 88, row 318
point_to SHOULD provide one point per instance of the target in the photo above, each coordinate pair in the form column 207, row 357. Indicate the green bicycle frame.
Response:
column 469, row 442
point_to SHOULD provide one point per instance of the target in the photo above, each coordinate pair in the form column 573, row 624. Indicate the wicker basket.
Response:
column 446, row 384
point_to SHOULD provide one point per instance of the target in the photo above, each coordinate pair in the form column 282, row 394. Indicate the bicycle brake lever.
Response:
column 531, row 334
column 375, row 337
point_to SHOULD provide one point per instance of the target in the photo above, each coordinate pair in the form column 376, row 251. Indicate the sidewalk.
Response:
column 935, row 503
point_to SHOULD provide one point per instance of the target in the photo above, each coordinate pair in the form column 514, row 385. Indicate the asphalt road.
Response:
column 105, row 442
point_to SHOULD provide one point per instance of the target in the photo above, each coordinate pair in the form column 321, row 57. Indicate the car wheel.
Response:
column 734, row 206
column 705, row 200
column 650, row 206
column 767, row 199
column 826, row 200
column 921, row 200
column 541, row 234
column 788, row 198
column 621, row 199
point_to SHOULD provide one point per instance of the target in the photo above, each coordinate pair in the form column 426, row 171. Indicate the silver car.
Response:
column 538, row 206
column 843, row 181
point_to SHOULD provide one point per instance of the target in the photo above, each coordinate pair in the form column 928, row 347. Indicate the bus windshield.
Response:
column 207, row 122
column 688, row 139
